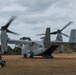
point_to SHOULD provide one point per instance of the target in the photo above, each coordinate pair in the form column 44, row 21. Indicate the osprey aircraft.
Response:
column 32, row 48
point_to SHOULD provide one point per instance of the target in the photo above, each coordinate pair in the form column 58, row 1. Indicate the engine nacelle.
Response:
column 4, row 38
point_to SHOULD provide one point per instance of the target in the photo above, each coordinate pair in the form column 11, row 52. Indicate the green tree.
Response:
column 25, row 38
column 17, row 51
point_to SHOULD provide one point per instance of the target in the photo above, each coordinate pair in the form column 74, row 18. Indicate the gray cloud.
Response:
column 34, row 16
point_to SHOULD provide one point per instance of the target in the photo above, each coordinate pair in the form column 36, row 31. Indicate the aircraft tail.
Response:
column 73, row 38
column 47, row 38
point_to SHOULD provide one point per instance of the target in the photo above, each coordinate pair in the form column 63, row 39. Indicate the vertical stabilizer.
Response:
column 47, row 38
column 73, row 38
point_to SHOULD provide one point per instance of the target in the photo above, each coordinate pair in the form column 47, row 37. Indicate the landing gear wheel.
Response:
column 24, row 56
column 31, row 56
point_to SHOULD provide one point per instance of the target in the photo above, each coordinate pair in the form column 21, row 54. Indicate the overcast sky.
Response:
column 34, row 16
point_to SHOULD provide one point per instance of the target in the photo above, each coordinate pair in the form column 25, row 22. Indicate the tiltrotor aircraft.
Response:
column 32, row 48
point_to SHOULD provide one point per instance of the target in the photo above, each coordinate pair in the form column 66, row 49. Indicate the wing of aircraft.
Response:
column 58, row 42
column 24, row 42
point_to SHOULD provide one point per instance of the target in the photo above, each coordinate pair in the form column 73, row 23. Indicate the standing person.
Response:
column 2, row 62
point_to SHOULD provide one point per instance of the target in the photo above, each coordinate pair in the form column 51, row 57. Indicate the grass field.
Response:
column 62, row 64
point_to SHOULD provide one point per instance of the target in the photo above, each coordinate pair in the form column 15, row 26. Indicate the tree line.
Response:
column 17, row 50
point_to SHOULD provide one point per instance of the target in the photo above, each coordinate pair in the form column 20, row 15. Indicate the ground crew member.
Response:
column 2, row 62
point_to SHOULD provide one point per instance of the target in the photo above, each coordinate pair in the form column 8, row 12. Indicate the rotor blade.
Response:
column 7, row 25
column 42, row 37
column 66, row 25
column 40, row 34
column 65, row 34
column 50, row 33
column 54, row 32
column 12, row 32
